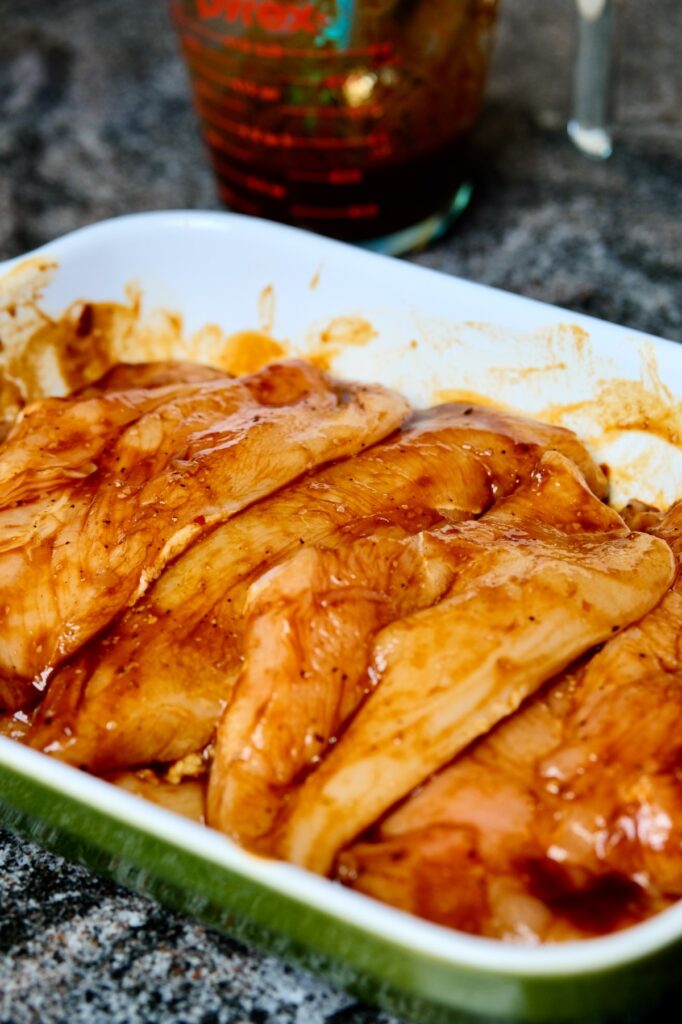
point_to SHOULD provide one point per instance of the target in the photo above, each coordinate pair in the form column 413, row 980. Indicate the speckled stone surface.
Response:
column 77, row 949
column 94, row 122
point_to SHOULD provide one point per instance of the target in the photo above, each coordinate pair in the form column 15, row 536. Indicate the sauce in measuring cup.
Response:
column 347, row 118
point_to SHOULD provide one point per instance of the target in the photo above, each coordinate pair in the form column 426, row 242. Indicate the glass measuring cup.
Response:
column 346, row 117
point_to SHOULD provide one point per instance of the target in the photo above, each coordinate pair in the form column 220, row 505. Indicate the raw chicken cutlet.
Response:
column 130, row 376
column 99, row 492
column 545, row 575
column 566, row 821
column 153, row 687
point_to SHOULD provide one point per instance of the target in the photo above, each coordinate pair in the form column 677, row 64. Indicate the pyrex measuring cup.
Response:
column 347, row 117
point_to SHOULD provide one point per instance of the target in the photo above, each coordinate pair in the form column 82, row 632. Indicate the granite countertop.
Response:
column 94, row 122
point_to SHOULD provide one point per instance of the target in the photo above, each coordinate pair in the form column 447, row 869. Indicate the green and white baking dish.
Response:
column 432, row 337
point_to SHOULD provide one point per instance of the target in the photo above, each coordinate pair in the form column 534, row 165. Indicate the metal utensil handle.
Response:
column 592, row 89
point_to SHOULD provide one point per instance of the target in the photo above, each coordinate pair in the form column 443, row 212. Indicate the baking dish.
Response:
column 433, row 337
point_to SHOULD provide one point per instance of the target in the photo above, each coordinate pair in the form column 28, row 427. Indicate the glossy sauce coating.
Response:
column 546, row 574
column 564, row 822
column 98, row 494
column 178, row 651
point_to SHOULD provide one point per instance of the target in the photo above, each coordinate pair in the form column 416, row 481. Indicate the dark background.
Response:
column 94, row 122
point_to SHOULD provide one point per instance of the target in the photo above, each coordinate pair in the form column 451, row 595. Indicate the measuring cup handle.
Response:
column 592, row 85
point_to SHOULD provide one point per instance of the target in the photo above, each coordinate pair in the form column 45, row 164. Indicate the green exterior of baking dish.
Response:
column 407, row 982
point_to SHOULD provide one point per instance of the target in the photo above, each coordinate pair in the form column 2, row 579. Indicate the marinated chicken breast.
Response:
column 153, row 687
column 98, row 493
column 185, row 797
column 548, row 573
column 564, row 822
column 130, row 376
column 309, row 626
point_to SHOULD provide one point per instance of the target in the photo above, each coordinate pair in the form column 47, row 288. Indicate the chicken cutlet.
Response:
column 131, row 376
column 98, row 494
column 566, row 821
column 544, row 576
column 308, row 627
column 152, row 688
column 185, row 796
